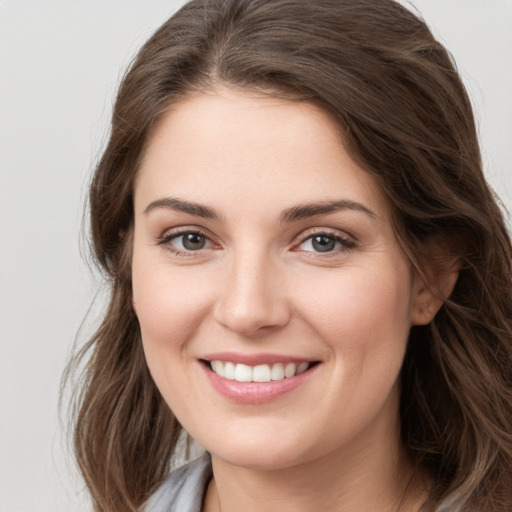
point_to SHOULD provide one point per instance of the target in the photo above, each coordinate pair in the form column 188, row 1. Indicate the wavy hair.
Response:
column 407, row 121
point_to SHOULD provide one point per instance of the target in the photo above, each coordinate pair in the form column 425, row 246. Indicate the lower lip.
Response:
column 255, row 392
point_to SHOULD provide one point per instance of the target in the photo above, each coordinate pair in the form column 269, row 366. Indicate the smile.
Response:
column 256, row 378
column 259, row 373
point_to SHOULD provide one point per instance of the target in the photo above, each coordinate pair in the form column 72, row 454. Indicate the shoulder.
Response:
column 183, row 490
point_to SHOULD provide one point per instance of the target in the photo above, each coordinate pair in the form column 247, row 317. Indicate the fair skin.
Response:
column 259, row 242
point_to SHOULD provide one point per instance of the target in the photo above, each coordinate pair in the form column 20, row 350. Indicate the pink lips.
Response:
column 254, row 392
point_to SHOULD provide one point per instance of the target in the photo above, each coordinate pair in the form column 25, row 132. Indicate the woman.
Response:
column 309, row 273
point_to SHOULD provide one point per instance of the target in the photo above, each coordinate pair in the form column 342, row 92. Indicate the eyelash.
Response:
column 346, row 244
column 166, row 239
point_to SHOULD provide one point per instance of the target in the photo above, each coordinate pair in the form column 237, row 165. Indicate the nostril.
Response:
column 249, row 321
column 252, row 301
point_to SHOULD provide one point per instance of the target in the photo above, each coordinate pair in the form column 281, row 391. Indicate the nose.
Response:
column 253, row 299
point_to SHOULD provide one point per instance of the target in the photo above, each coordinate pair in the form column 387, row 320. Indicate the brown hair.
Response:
column 407, row 120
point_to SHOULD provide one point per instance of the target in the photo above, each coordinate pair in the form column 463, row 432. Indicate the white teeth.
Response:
column 277, row 372
column 259, row 373
column 289, row 369
column 229, row 370
column 218, row 368
column 243, row 373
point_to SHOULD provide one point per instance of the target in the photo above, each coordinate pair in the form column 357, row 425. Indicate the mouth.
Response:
column 256, row 378
column 260, row 373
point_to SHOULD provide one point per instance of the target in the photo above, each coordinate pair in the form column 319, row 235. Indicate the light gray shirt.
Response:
column 184, row 489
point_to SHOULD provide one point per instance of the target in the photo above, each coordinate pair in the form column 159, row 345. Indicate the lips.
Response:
column 255, row 379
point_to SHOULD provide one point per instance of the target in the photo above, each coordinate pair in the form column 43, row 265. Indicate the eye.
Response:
column 186, row 241
column 190, row 241
column 325, row 243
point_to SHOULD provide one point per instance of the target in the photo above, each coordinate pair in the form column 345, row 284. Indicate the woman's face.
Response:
column 273, row 298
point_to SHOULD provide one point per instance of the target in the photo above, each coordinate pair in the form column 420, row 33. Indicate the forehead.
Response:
column 228, row 145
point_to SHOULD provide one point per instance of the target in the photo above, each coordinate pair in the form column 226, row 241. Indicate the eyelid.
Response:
column 165, row 238
column 336, row 233
column 347, row 241
column 181, row 230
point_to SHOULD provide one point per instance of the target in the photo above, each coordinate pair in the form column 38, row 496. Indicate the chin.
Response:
column 259, row 459
column 269, row 452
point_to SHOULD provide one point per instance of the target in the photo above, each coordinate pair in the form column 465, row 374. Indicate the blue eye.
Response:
column 325, row 243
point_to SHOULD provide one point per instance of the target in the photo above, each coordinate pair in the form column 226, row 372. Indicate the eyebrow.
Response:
column 305, row 211
column 173, row 203
column 293, row 214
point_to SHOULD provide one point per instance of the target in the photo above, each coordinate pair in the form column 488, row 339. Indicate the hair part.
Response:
column 407, row 120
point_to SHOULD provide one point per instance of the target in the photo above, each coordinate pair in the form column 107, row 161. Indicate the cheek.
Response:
column 169, row 307
column 357, row 309
column 363, row 319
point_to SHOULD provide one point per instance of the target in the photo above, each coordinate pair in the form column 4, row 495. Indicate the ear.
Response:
column 430, row 292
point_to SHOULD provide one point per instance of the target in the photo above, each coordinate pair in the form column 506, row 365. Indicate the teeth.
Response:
column 259, row 373
column 289, row 369
column 277, row 372
column 229, row 370
column 302, row 367
column 218, row 368
column 243, row 373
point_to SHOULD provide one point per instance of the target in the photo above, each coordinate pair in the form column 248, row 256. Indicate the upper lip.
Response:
column 254, row 359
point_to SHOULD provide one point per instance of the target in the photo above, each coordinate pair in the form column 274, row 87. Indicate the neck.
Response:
column 370, row 476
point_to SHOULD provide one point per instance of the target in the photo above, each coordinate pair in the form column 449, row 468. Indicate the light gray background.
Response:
column 60, row 63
